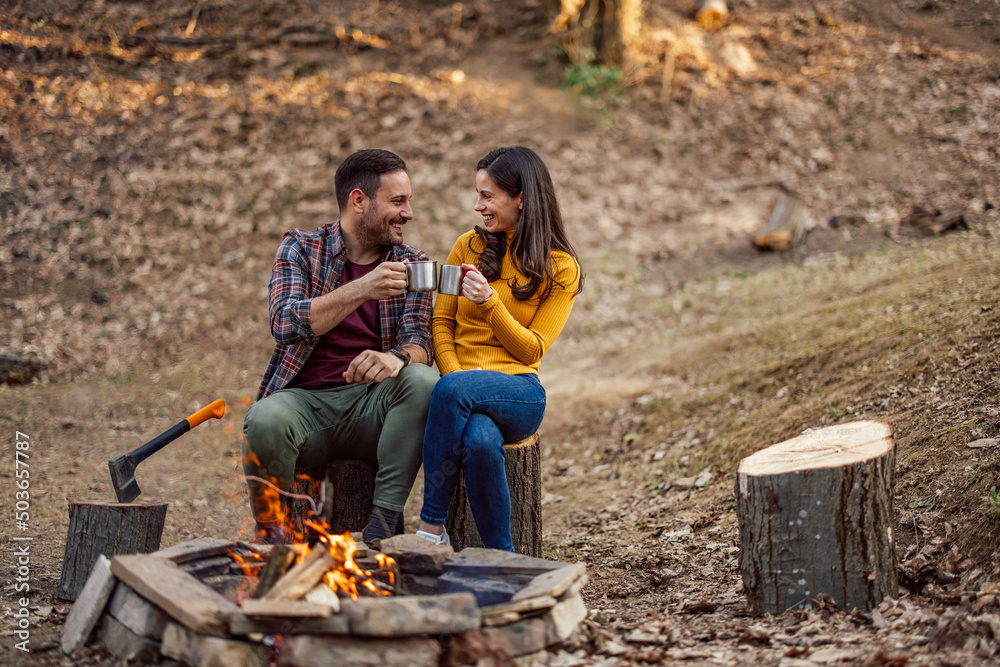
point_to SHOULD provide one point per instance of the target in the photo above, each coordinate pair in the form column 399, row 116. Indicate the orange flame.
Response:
column 345, row 576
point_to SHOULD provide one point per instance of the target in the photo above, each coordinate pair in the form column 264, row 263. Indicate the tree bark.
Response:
column 815, row 518
column 523, row 466
column 110, row 529
column 350, row 492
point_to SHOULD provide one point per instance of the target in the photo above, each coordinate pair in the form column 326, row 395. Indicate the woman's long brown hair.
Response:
column 539, row 231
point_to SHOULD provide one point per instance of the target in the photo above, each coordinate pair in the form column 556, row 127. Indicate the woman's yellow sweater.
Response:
column 503, row 334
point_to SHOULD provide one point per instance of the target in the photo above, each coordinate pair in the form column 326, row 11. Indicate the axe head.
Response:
column 122, row 469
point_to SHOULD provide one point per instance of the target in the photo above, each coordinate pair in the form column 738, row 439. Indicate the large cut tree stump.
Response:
column 344, row 492
column 110, row 529
column 815, row 517
column 523, row 465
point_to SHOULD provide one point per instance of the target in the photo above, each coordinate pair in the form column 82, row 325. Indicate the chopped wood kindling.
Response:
column 300, row 579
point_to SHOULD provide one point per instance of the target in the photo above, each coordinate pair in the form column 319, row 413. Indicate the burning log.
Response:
column 282, row 558
column 815, row 518
column 523, row 466
column 300, row 579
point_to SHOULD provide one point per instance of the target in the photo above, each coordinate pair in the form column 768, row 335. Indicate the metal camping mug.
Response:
column 452, row 276
column 421, row 276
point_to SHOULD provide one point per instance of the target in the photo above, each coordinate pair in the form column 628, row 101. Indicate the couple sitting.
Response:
column 350, row 377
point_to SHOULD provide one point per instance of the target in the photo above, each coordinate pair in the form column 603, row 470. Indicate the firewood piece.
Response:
column 285, row 609
column 815, row 518
column 789, row 222
column 712, row 14
column 176, row 592
column 324, row 595
column 302, row 577
column 88, row 608
column 109, row 529
column 281, row 559
column 523, row 466
column 553, row 583
column 349, row 490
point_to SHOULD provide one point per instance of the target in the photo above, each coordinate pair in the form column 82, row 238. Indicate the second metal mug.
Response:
column 421, row 276
column 452, row 276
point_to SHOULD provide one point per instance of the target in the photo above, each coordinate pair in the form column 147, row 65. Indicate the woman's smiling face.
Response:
column 500, row 211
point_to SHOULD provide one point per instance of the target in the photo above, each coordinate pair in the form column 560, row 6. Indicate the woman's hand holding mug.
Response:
column 475, row 288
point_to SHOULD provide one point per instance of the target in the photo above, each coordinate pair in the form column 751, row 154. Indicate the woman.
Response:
column 521, row 278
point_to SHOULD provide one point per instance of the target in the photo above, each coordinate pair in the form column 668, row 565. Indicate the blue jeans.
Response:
column 472, row 414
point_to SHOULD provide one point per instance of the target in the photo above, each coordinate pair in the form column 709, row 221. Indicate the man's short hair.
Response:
column 363, row 170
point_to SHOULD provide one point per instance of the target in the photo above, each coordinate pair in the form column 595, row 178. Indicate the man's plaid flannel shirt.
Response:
column 309, row 264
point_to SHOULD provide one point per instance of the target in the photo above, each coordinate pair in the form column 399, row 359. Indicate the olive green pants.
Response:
column 303, row 428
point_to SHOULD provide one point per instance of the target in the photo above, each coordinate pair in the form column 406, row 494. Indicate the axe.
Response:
column 122, row 466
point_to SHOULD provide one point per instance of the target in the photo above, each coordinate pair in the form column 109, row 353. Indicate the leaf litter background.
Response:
column 152, row 154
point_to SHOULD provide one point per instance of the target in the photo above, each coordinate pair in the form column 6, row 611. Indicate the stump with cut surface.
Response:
column 344, row 491
column 815, row 517
column 523, row 465
column 110, row 529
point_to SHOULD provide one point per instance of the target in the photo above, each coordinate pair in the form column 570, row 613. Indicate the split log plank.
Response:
column 815, row 517
column 110, row 529
column 285, row 609
column 281, row 559
column 176, row 592
column 523, row 467
column 302, row 577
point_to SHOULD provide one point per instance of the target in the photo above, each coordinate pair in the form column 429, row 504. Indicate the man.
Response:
column 350, row 376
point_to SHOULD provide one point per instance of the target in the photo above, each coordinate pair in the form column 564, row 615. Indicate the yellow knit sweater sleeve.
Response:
column 503, row 334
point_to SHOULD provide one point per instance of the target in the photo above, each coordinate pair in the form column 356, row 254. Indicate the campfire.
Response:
column 331, row 602
column 319, row 565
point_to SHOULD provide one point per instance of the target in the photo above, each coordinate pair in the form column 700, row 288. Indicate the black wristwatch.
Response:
column 402, row 354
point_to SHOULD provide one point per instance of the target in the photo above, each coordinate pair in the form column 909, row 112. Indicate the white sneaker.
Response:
column 441, row 539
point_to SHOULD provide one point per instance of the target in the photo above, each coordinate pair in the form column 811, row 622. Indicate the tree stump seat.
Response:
column 523, row 465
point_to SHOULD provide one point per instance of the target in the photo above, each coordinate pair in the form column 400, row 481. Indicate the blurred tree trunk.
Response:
column 602, row 31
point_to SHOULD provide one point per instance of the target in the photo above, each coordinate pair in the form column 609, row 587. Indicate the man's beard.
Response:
column 377, row 232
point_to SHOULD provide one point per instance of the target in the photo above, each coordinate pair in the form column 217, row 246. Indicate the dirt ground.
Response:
column 152, row 154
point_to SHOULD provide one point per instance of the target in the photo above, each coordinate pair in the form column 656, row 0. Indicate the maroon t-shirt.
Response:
column 338, row 347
